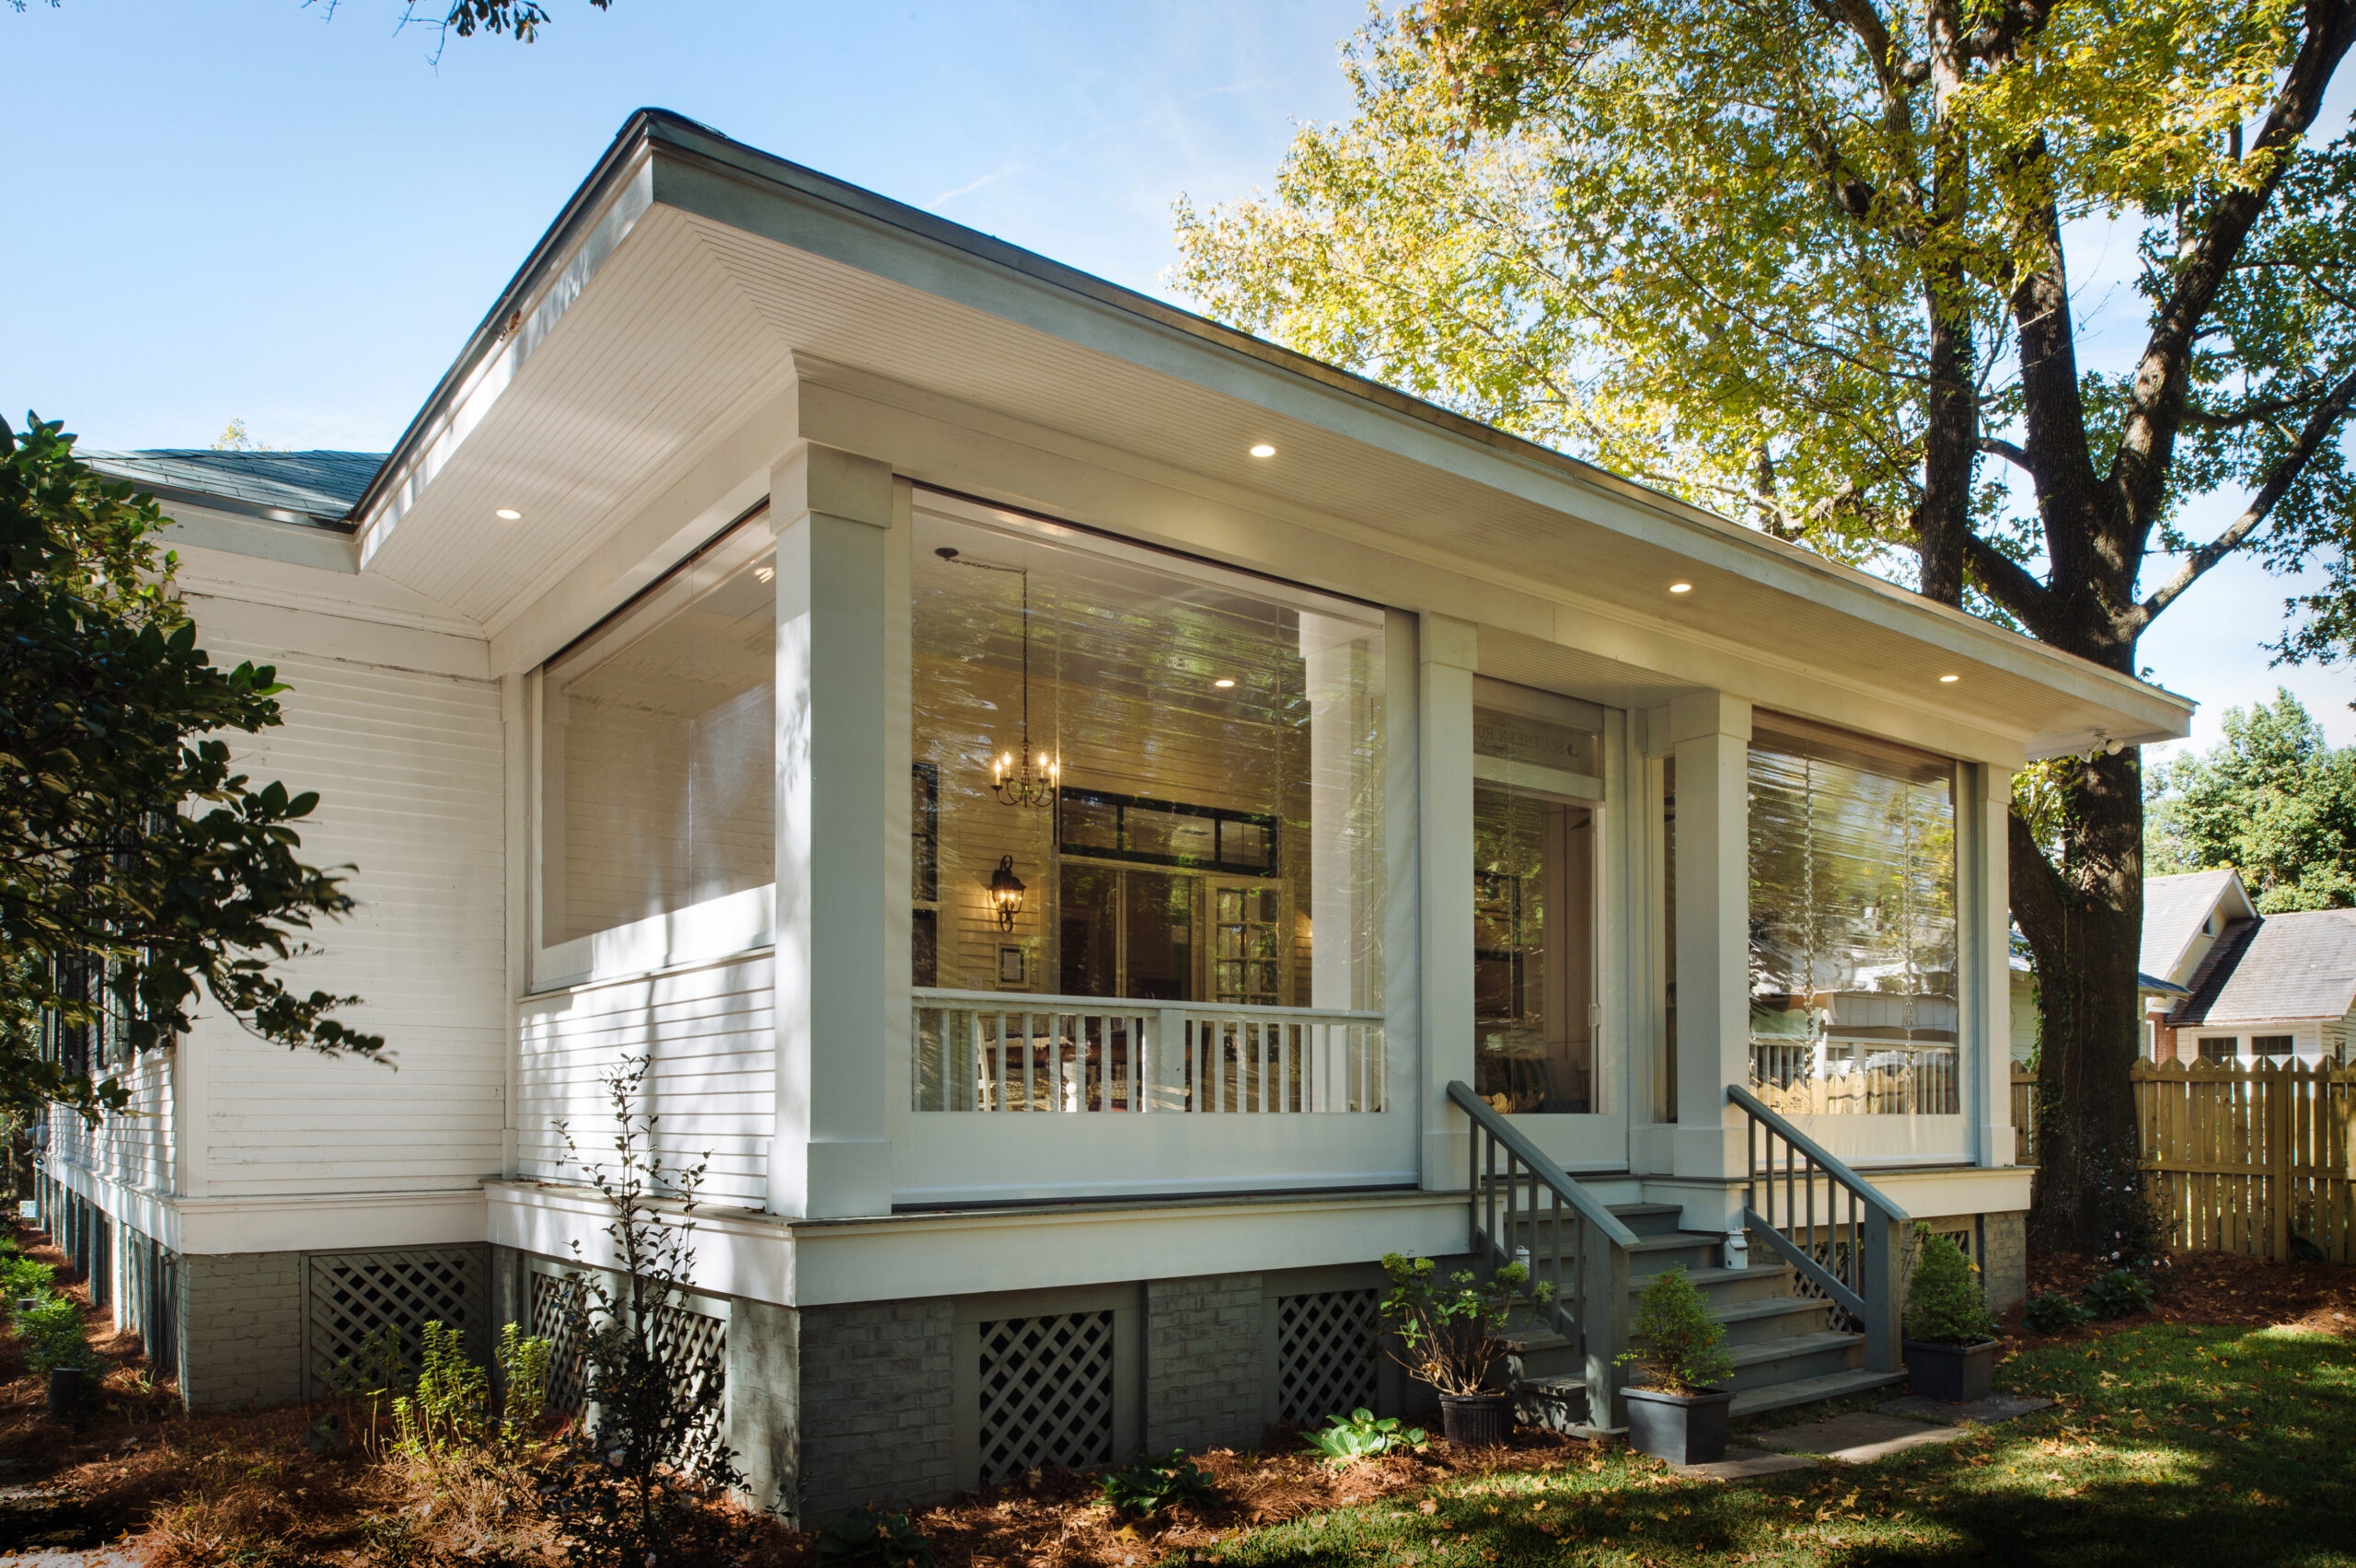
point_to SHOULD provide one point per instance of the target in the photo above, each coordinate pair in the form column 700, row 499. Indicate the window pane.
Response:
column 1853, row 928
column 1198, row 723
column 658, row 749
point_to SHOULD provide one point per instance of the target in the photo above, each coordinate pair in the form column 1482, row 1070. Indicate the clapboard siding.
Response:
column 711, row 1034
column 131, row 1146
column 408, row 768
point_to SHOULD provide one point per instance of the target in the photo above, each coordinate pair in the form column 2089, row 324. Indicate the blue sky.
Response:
column 241, row 208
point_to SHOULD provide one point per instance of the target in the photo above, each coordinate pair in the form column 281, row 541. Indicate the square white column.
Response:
column 1447, row 652
column 830, row 1153
column 1984, row 874
column 1711, row 733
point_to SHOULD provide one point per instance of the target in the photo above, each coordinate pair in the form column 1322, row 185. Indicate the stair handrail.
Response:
column 1858, row 1271
column 1587, row 1279
column 1486, row 1118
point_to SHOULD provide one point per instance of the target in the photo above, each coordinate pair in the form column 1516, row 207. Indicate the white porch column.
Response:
column 1447, row 650
column 829, row 1153
column 1344, row 825
column 1711, row 733
column 1985, row 873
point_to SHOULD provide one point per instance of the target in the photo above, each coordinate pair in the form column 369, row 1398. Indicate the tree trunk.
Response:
column 2084, row 919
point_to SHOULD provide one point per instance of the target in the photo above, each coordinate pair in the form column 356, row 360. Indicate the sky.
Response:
column 259, row 210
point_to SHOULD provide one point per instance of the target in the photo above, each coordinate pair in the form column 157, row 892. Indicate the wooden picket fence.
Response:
column 2244, row 1158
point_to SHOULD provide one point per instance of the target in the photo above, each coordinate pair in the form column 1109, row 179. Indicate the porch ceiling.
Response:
column 673, row 300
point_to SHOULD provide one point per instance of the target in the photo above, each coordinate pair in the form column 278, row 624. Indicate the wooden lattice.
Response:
column 554, row 1321
column 698, row 1341
column 1047, row 1391
column 351, row 1297
column 1325, row 1353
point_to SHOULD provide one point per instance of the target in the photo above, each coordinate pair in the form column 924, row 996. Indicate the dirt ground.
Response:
column 122, row 1474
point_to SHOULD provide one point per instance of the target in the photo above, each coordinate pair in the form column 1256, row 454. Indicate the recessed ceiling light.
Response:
column 507, row 514
column 1222, row 683
column 1263, row 450
column 1681, row 587
column 1950, row 680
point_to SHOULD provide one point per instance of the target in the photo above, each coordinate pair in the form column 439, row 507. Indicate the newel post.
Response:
column 1605, row 1323
column 1880, row 1283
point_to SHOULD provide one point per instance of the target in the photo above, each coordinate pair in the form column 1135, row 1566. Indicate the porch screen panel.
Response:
column 657, row 749
column 1207, row 752
column 1852, row 925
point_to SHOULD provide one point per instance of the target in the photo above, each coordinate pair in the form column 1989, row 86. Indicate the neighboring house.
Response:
column 2274, row 987
column 1061, row 791
column 2184, row 917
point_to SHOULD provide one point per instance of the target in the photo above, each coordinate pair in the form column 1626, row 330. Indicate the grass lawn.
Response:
column 2218, row 1447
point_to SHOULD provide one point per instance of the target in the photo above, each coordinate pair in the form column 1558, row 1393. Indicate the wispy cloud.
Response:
column 973, row 185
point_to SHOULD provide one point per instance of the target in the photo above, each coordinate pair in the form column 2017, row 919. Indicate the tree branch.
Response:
column 2320, row 427
column 1996, row 446
column 2258, row 409
column 2009, row 583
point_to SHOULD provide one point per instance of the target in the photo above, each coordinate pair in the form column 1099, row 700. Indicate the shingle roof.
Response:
column 2174, row 909
column 2277, row 967
column 321, row 486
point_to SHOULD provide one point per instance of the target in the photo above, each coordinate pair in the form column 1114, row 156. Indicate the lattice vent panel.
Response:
column 1325, row 1353
column 353, row 1298
column 1047, row 1391
column 698, row 1343
column 554, row 1321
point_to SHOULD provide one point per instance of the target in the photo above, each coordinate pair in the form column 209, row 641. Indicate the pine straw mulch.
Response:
column 2220, row 1289
column 1053, row 1518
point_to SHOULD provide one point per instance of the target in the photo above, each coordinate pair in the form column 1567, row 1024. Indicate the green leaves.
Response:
column 136, row 866
column 2272, row 801
column 1944, row 1303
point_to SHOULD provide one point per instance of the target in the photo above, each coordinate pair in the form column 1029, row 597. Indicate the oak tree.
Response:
column 1811, row 262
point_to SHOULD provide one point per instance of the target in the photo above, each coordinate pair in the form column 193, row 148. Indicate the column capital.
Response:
column 1444, row 639
column 1703, row 714
column 812, row 477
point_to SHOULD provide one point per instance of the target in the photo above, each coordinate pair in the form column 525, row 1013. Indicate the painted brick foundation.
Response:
column 241, row 1329
column 1205, row 1373
column 875, row 1408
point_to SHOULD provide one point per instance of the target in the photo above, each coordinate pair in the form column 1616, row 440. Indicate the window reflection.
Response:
column 1852, row 925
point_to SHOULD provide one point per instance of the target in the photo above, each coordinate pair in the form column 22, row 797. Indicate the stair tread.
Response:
column 1809, row 1390
column 1795, row 1345
column 1676, row 1240
column 1639, row 1211
column 1766, row 1306
column 1705, row 1278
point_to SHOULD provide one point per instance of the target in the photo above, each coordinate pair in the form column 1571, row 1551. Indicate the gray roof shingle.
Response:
column 2174, row 909
column 2277, row 967
column 319, row 485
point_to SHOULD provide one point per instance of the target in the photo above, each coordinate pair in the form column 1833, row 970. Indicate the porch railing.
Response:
column 1829, row 1222
column 1526, row 1210
column 993, row 1051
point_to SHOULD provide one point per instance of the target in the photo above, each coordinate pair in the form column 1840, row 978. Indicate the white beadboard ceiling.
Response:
column 733, row 271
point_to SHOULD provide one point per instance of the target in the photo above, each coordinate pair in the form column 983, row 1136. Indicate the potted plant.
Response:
column 1447, row 1336
column 1950, row 1334
column 1677, row 1412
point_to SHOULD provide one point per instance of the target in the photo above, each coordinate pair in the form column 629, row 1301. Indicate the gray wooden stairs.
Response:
column 1784, row 1349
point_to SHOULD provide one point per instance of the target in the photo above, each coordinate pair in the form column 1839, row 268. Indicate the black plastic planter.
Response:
column 65, row 1392
column 1476, row 1421
column 1955, row 1373
column 1684, row 1429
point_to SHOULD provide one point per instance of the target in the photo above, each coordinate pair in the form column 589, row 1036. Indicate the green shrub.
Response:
column 1448, row 1334
column 2120, row 1293
column 53, row 1338
column 860, row 1538
column 1685, row 1352
column 2053, row 1312
column 1944, row 1305
column 1359, row 1436
column 21, row 1276
column 1151, row 1485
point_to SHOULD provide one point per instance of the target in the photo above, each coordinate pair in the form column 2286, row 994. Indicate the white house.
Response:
column 2254, row 986
column 779, row 577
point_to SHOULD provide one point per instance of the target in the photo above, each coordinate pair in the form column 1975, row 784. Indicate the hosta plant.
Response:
column 1153, row 1483
column 1361, row 1435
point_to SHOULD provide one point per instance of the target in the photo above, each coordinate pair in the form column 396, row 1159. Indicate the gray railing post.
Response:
column 1879, row 1284
column 1604, row 1327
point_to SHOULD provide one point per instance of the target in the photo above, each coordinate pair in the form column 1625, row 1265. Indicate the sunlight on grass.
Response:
column 2212, row 1447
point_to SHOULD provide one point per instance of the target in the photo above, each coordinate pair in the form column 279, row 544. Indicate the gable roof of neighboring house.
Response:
column 2279, row 966
column 318, row 488
column 2177, row 910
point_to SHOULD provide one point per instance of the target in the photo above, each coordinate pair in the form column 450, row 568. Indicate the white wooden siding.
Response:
column 408, row 768
column 711, row 1033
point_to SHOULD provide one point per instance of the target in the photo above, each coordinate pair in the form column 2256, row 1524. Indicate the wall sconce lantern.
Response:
column 1006, row 893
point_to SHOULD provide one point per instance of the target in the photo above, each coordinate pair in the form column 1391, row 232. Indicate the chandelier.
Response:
column 1022, row 776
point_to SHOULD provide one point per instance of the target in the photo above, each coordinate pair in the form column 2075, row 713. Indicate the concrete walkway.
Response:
column 1858, row 1436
